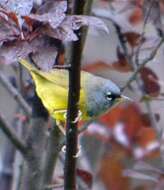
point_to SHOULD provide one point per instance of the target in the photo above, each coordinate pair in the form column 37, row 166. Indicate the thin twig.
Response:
column 144, row 62
column 15, row 94
column 123, row 44
column 143, row 32
column 124, row 47
column 16, row 141
column 62, row 67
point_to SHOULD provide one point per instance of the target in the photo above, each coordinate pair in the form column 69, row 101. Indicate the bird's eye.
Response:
column 109, row 96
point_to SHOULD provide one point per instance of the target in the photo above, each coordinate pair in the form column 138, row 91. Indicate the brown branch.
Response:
column 15, row 94
column 15, row 140
column 73, row 105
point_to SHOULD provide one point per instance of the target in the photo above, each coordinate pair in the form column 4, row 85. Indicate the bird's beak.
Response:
column 122, row 99
column 125, row 98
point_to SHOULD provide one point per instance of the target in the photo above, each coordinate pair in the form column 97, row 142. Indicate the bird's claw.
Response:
column 76, row 155
column 76, row 119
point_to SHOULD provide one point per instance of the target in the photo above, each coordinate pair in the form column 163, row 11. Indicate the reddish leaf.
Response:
column 14, row 17
column 111, row 174
column 29, row 22
column 122, row 66
column 146, row 119
column 112, row 117
column 136, row 16
column 131, row 116
column 150, row 80
column 133, row 38
column 96, row 66
column 146, row 135
column 85, row 176
column 61, row 58
column 125, row 122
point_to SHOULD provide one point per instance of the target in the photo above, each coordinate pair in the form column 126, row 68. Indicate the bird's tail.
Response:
column 36, row 73
column 27, row 65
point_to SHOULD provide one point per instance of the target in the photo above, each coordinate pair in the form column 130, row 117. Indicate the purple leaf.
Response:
column 77, row 21
column 22, row 7
column 12, row 52
column 8, row 30
column 54, row 16
column 52, row 6
column 63, row 33
column 43, row 52
column 45, row 57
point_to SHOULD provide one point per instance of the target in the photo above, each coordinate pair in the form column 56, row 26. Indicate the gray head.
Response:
column 102, row 95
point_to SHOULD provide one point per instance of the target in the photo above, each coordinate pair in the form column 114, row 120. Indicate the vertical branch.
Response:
column 52, row 152
column 32, row 176
column 73, row 105
column 36, row 139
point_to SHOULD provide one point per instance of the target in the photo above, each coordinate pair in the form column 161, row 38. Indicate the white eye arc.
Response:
column 109, row 96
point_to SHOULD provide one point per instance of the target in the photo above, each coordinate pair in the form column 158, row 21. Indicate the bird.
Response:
column 97, row 94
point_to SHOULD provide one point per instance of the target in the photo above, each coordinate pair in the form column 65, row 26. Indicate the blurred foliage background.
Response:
column 124, row 148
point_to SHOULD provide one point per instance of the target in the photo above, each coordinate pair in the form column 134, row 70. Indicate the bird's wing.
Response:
column 53, row 96
column 56, row 76
column 59, row 77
